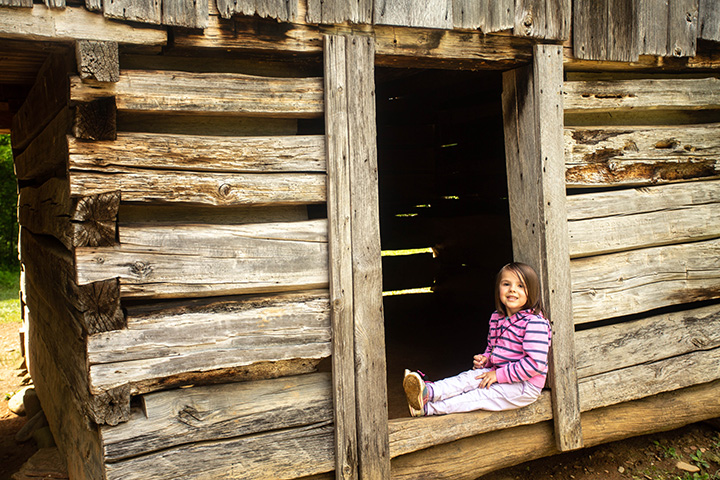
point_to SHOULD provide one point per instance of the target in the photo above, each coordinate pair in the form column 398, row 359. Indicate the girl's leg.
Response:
column 457, row 385
column 498, row 396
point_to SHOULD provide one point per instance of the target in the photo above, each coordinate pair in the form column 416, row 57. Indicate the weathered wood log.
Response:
column 476, row 456
column 217, row 259
column 186, row 13
column 48, row 96
column 76, row 222
column 77, row 439
column 605, row 30
column 283, row 454
column 625, row 283
column 98, row 60
column 46, row 156
column 645, row 217
column 614, row 347
column 203, row 188
column 409, row 435
column 678, row 94
column 232, row 126
column 197, row 92
column 537, row 198
column 96, row 120
column 339, row 208
column 200, row 153
column 184, row 214
column 209, row 335
column 190, row 415
column 604, row 156
column 644, row 380
column 398, row 46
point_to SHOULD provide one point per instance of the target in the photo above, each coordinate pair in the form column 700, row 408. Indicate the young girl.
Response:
column 511, row 372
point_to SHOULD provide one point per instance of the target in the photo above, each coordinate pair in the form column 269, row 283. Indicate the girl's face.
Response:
column 512, row 292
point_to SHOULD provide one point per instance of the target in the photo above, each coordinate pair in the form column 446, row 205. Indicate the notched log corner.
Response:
column 100, row 306
column 94, row 220
column 96, row 120
column 110, row 407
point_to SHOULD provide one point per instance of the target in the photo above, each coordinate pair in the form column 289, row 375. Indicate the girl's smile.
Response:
column 512, row 292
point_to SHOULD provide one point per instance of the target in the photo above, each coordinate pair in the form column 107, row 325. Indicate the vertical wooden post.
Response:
column 533, row 117
column 356, row 276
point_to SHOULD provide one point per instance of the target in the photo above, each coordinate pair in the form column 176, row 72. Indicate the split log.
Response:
column 472, row 457
column 199, row 414
column 614, row 347
column 211, row 259
column 200, row 153
column 648, row 379
column 198, row 92
column 47, row 155
column 646, row 217
column 284, row 454
column 76, row 222
column 674, row 94
column 625, row 283
column 603, row 156
column 166, row 341
column 202, row 188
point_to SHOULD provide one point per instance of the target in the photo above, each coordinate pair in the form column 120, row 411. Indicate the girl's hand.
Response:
column 479, row 361
column 487, row 378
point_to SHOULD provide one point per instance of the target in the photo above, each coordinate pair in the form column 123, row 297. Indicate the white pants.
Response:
column 462, row 393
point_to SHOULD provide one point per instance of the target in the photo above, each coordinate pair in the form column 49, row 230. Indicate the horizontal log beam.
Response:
column 614, row 347
column 200, row 153
column 182, row 92
column 208, row 335
column 626, row 283
column 205, row 413
column 211, row 260
column 646, row 217
column 673, row 94
column 470, row 458
column 203, row 188
column 47, row 155
column 605, row 156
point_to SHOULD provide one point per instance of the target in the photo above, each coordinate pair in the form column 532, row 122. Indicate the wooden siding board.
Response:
column 622, row 31
column 185, row 13
column 532, row 108
column 16, row 3
column 543, row 19
column 414, row 13
column 145, row 11
column 340, row 251
column 652, row 27
column 709, row 20
column 487, row 15
column 682, row 28
column 329, row 12
column 590, row 19
column 282, row 10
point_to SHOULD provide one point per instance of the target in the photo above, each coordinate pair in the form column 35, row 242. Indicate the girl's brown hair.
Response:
column 529, row 278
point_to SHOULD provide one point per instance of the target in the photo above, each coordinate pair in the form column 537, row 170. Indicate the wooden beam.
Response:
column 337, row 139
column 626, row 283
column 73, row 23
column 96, row 119
column 640, row 218
column 533, row 115
column 174, row 91
column 268, row 154
column 205, row 413
column 470, row 458
column 46, row 156
column 626, row 155
column 97, row 60
column 370, row 370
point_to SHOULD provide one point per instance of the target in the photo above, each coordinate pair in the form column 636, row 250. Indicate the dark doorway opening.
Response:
column 444, row 219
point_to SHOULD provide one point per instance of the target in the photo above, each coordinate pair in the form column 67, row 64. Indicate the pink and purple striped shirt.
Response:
column 518, row 347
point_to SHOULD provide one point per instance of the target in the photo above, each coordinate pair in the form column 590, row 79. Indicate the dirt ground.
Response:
column 652, row 457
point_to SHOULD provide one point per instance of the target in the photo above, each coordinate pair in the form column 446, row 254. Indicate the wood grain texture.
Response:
column 709, row 20
column 96, row 120
column 46, row 156
column 210, row 335
column 301, row 153
column 673, row 94
column 631, row 282
column 614, row 347
column 414, row 13
column 205, row 413
column 337, row 137
column 682, row 28
column 281, row 10
column 604, row 156
column 646, row 217
column 532, row 110
column 653, row 27
column 320, row 11
column 543, row 19
column 215, row 260
column 98, row 60
column 144, row 11
column 185, row 13
column 174, row 91
column 487, row 15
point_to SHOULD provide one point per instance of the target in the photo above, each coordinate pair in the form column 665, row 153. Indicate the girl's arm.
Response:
column 533, row 362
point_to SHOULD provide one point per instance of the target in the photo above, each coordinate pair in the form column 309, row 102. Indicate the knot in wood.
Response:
column 141, row 269
column 678, row 52
column 224, row 190
column 527, row 23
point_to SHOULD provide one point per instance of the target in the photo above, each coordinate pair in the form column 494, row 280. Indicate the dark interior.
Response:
column 444, row 218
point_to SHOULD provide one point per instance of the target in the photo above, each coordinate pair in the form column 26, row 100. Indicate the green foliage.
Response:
column 8, row 208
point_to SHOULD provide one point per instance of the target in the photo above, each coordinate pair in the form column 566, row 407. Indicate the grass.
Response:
column 9, row 297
